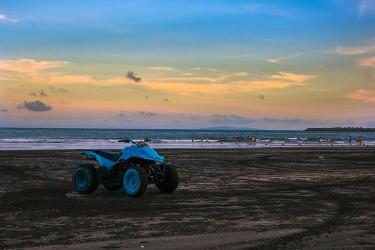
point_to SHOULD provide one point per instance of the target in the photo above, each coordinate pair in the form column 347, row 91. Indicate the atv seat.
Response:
column 110, row 155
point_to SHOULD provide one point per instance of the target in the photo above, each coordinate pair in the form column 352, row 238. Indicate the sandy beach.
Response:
column 259, row 198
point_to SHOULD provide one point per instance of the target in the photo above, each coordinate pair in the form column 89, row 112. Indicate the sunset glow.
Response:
column 187, row 64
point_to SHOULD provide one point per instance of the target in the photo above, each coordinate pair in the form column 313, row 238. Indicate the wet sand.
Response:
column 310, row 198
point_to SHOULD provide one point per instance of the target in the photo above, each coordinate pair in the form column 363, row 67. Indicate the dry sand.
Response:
column 311, row 198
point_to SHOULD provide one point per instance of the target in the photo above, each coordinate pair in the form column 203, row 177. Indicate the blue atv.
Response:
column 131, row 169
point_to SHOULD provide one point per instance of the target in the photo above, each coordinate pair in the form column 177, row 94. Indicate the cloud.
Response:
column 219, row 88
column 230, row 119
column 367, row 62
column 267, row 9
column 210, row 79
column 178, row 85
column 166, row 99
column 286, row 120
column 300, row 78
column 240, row 56
column 354, row 51
column 5, row 18
column 192, row 79
column 3, row 110
column 123, row 116
column 261, row 97
column 57, row 90
column 273, row 60
column 3, row 78
column 56, row 78
column 280, row 59
column 362, row 95
column 366, row 7
column 239, row 74
column 35, row 71
column 29, row 66
column 36, row 106
column 146, row 114
column 162, row 68
column 132, row 76
column 205, row 69
column 40, row 93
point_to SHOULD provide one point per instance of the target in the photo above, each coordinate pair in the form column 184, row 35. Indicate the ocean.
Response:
column 79, row 138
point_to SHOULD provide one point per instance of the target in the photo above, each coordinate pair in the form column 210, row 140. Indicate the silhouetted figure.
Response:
column 360, row 140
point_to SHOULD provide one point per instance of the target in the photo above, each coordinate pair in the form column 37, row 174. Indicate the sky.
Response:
column 187, row 64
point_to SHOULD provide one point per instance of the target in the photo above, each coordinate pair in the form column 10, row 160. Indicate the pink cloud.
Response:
column 362, row 95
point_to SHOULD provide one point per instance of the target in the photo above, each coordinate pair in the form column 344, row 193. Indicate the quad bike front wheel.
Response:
column 134, row 181
column 170, row 182
column 84, row 179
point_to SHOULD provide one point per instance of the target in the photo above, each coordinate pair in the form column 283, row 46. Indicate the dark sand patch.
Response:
column 228, row 199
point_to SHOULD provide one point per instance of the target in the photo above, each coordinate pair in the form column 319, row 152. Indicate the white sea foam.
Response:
column 61, row 144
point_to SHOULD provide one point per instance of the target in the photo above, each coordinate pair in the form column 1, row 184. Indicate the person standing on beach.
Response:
column 254, row 140
column 360, row 140
column 350, row 140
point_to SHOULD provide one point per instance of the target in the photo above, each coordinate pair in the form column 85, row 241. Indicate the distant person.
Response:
column 320, row 140
column 360, row 140
column 350, row 140
column 254, row 140
column 143, row 143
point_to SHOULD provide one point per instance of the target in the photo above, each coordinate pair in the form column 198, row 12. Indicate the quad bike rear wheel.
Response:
column 84, row 179
column 170, row 181
column 134, row 181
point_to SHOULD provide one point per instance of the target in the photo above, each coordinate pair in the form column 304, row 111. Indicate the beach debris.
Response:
column 132, row 76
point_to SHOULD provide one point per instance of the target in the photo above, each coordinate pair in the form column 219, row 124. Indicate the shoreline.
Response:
column 199, row 147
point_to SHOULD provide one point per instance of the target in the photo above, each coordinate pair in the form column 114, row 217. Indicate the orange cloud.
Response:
column 367, row 62
column 187, row 85
column 163, row 68
column 77, row 79
column 191, row 79
column 212, row 79
column 355, row 50
column 299, row 78
column 217, row 88
column 29, row 66
column 362, row 95
column 273, row 60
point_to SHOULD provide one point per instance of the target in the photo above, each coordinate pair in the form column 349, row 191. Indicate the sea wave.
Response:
column 60, row 144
